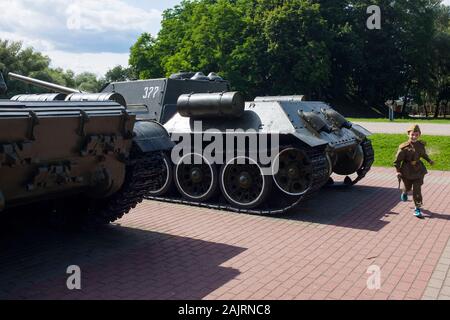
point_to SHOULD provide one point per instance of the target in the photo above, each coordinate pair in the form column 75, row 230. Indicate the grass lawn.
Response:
column 386, row 145
column 420, row 120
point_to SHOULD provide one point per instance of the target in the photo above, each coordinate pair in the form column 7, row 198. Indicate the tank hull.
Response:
column 322, row 140
column 79, row 156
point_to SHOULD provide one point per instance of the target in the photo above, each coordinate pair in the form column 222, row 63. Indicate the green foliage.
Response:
column 88, row 82
column 385, row 146
column 321, row 48
column 27, row 62
column 144, row 58
column 119, row 73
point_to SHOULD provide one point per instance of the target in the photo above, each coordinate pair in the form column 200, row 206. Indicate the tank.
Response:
column 84, row 157
column 260, row 157
column 271, row 153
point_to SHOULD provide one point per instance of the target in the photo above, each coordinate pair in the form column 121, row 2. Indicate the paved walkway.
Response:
column 439, row 284
column 320, row 250
column 397, row 127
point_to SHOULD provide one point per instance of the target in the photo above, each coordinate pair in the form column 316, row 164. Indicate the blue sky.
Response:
column 82, row 35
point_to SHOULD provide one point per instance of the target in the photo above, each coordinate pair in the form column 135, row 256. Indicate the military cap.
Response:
column 414, row 128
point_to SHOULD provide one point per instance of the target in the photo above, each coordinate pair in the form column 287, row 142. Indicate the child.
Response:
column 409, row 167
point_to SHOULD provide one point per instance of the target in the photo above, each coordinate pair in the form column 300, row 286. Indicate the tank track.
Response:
column 80, row 211
column 284, row 202
column 369, row 158
column 141, row 174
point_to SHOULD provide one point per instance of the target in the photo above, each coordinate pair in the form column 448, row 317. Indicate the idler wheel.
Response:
column 196, row 178
column 244, row 185
column 295, row 171
column 164, row 183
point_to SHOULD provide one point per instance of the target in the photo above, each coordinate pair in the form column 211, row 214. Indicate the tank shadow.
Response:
column 115, row 262
column 358, row 207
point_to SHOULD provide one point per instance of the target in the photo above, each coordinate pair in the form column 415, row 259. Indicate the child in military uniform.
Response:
column 410, row 169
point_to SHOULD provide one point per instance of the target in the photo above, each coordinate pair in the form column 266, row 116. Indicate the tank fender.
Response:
column 305, row 136
column 151, row 136
column 360, row 131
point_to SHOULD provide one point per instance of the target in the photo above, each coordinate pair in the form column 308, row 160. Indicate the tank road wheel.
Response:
column 244, row 185
column 165, row 180
column 295, row 171
column 196, row 178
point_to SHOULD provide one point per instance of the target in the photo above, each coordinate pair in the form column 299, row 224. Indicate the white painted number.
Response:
column 150, row 92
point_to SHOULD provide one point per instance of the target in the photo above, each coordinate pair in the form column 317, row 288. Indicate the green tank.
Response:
column 88, row 160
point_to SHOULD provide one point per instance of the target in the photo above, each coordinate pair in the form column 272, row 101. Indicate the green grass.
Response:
column 420, row 120
column 386, row 145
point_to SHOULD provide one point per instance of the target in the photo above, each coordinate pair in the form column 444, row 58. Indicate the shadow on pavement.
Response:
column 432, row 215
column 358, row 207
column 115, row 262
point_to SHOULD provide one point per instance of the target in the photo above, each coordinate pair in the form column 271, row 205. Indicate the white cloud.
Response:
column 78, row 25
column 110, row 15
column 38, row 44
column 93, row 33
column 98, row 63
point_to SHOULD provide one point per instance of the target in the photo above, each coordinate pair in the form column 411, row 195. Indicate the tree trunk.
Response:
column 405, row 99
column 438, row 106
column 426, row 110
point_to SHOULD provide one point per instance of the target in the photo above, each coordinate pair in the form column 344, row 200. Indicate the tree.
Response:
column 145, row 60
column 239, row 39
column 88, row 82
column 439, row 84
column 119, row 73
column 321, row 48
column 28, row 62
column 23, row 61
column 298, row 49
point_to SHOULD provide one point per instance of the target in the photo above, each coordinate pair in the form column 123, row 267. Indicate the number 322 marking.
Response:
column 150, row 92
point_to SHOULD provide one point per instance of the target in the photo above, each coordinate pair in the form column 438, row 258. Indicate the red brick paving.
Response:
column 321, row 250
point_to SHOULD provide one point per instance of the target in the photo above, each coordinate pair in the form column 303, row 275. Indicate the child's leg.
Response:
column 417, row 192
column 407, row 185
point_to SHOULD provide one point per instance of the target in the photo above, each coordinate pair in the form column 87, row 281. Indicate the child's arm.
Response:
column 428, row 159
column 399, row 158
column 426, row 156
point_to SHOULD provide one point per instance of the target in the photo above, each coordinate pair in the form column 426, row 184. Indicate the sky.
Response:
column 82, row 35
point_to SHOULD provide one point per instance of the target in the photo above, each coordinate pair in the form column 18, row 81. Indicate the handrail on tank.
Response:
column 43, row 84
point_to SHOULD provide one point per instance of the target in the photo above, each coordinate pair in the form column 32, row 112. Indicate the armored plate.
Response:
column 156, row 99
column 282, row 117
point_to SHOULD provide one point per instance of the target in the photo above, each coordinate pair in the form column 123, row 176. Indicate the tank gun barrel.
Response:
column 43, row 84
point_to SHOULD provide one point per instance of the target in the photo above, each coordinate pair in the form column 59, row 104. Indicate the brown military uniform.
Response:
column 413, row 170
